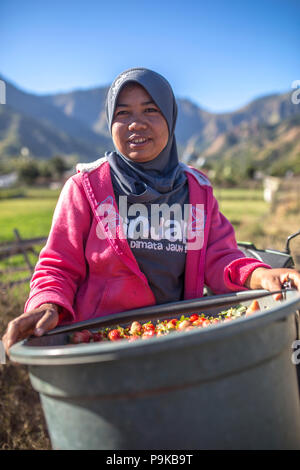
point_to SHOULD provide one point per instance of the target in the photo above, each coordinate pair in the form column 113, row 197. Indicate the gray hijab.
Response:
column 148, row 181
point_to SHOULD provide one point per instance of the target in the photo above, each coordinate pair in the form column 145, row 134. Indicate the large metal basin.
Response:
column 229, row 386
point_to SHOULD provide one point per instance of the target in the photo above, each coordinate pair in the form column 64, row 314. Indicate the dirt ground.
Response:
column 22, row 424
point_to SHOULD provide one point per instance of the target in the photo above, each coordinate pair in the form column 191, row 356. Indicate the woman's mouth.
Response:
column 138, row 142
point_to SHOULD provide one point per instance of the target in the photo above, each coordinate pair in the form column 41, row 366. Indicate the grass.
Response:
column 238, row 194
column 31, row 214
column 253, row 218
column 256, row 221
column 246, row 210
column 14, row 268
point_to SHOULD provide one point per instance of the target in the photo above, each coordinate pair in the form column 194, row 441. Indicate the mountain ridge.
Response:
column 75, row 123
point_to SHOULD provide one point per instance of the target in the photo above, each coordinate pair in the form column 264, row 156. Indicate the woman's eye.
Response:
column 152, row 110
column 119, row 113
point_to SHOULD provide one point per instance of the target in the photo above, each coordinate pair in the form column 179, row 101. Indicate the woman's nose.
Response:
column 137, row 124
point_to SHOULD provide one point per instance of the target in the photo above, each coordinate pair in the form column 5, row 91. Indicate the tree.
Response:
column 58, row 165
column 28, row 172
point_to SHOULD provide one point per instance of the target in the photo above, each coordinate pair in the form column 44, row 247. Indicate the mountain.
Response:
column 18, row 130
column 46, row 124
column 266, row 147
column 86, row 106
column 196, row 130
column 75, row 123
column 207, row 127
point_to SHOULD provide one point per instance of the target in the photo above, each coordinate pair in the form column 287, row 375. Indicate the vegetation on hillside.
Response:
column 271, row 149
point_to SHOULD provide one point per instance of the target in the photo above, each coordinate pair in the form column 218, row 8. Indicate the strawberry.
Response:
column 114, row 335
column 184, row 324
column 83, row 336
column 76, row 337
column 97, row 337
column 121, row 331
column 199, row 322
column 194, row 317
column 148, row 334
column 171, row 325
column 86, row 336
column 149, row 327
column 136, row 328
column 253, row 307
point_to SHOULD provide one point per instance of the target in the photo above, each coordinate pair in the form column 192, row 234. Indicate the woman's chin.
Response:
column 140, row 157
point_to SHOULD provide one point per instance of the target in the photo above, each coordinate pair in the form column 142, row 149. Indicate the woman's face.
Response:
column 139, row 130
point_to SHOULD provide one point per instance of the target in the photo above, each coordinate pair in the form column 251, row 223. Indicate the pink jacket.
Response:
column 92, row 277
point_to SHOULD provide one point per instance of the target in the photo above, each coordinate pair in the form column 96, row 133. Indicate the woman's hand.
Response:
column 35, row 322
column 273, row 279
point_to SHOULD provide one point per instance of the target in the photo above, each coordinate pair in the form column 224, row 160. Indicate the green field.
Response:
column 246, row 210
column 32, row 214
column 241, row 204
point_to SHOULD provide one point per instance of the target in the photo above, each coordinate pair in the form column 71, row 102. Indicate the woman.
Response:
column 115, row 244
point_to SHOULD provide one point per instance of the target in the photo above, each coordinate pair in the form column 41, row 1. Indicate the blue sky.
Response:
column 220, row 54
